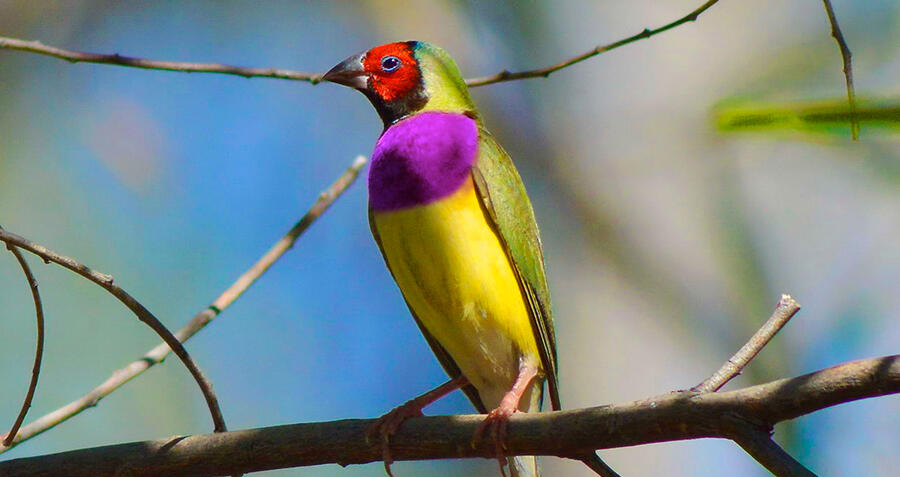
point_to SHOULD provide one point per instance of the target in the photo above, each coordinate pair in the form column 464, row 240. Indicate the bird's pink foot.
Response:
column 497, row 421
column 387, row 425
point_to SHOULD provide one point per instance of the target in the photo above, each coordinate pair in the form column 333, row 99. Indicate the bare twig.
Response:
column 39, row 348
column 673, row 416
column 848, row 68
column 313, row 78
column 545, row 72
column 767, row 452
column 200, row 320
column 147, row 64
column 784, row 310
column 106, row 282
column 596, row 464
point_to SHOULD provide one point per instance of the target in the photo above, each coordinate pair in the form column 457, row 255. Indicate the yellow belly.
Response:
column 455, row 275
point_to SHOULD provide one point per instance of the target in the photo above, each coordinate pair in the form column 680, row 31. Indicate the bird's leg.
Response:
column 498, row 418
column 388, row 424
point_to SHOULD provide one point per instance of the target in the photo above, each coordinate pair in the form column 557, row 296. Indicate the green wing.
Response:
column 442, row 355
column 504, row 199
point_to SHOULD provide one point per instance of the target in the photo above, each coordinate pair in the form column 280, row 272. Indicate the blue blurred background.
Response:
column 668, row 242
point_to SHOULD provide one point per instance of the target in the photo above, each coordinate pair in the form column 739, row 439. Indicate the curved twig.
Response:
column 314, row 78
column 669, row 417
column 848, row 68
column 39, row 347
column 545, row 72
column 784, row 310
column 107, row 283
column 200, row 320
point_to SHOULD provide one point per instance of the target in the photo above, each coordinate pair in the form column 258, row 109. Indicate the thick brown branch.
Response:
column 39, row 347
column 147, row 64
column 784, row 310
column 848, row 68
column 545, row 72
column 313, row 78
column 673, row 416
column 199, row 321
column 106, row 282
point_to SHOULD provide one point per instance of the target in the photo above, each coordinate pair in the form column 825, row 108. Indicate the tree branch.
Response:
column 545, row 72
column 760, row 446
column 315, row 78
column 669, row 417
column 39, row 347
column 107, row 283
column 848, row 68
column 200, row 320
column 784, row 311
column 148, row 64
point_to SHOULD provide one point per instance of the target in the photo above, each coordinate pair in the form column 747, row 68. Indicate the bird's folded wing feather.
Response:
column 503, row 197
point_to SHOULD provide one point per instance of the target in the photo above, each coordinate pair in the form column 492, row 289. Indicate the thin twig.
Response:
column 787, row 307
column 773, row 457
column 545, row 72
column 200, row 320
column 848, row 67
column 313, row 78
column 596, row 464
column 147, row 64
column 668, row 417
column 39, row 348
column 107, row 283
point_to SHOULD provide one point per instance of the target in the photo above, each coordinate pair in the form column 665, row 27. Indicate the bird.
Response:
column 457, row 231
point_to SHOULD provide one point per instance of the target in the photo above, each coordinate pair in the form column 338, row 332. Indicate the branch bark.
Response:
column 199, row 321
column 669, row 417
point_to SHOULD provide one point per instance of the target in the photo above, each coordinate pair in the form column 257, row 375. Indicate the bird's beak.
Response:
column 349, row 72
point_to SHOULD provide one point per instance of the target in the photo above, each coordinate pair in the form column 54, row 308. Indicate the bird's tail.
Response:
column 523, row 466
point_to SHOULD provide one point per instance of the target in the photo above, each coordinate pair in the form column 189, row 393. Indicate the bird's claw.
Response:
column 387, row 425
column 497, row 420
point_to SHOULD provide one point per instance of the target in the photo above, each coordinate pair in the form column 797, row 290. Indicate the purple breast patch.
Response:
column 421, row 159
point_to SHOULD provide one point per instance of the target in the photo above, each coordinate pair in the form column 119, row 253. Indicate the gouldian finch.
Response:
column 450, row 215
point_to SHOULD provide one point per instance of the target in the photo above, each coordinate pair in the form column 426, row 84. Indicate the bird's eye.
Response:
column 390, row 63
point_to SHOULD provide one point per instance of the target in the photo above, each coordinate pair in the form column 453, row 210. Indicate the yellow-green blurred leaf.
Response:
column 825, row 117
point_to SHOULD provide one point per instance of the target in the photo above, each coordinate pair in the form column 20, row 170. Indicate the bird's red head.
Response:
column 389, row 75
column 393, row 70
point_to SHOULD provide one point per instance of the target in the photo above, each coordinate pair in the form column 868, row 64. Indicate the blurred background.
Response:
column 668, row 238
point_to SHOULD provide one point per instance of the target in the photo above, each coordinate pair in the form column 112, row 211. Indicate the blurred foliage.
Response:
column 814, row 118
